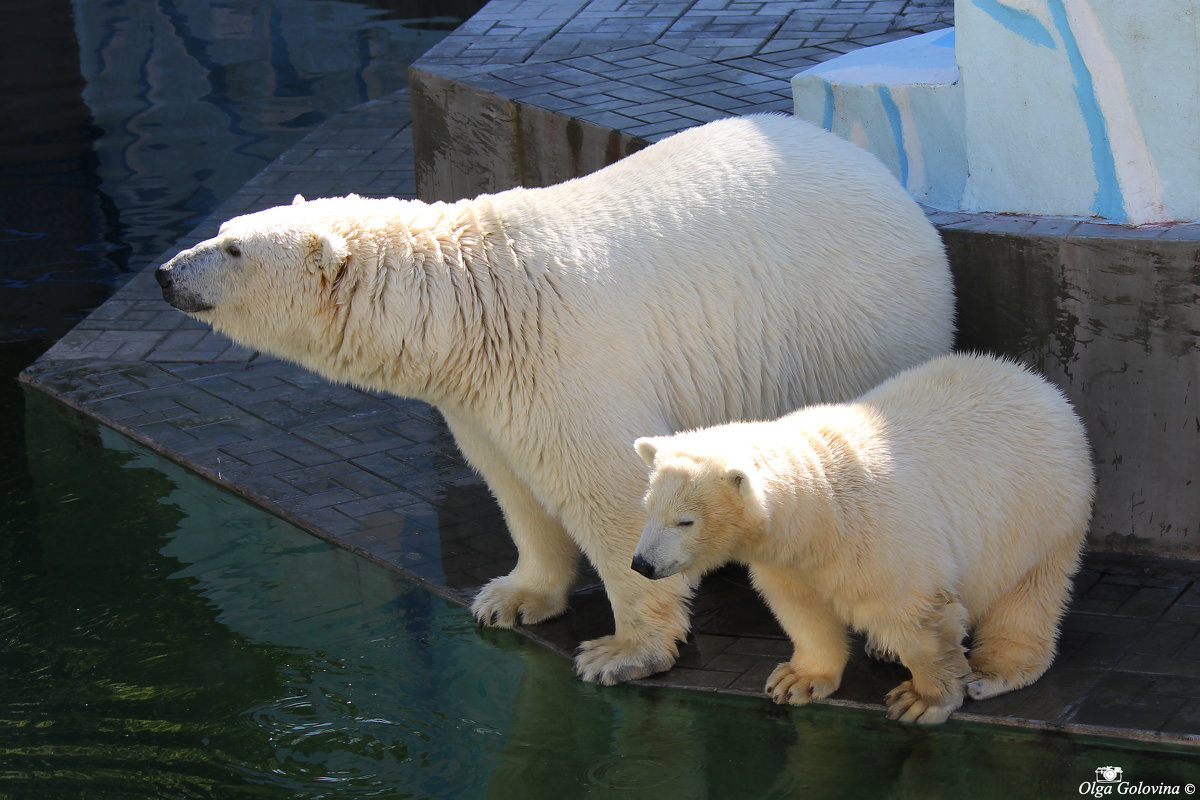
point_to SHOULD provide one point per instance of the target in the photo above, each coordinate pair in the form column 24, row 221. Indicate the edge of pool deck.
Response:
column 380, row 475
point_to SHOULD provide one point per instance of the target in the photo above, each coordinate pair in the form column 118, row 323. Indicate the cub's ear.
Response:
column 330, row 251
column 746, row 481
column 646, row 447
column 298, row 199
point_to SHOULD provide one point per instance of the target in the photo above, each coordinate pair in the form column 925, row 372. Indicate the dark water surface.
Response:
column 123, row 123
column 160, row 638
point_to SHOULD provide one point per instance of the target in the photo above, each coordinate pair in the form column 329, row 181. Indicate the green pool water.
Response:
column 160, row 637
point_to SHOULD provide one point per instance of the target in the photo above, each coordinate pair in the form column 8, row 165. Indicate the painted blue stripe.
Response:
column 827, row 117
column 893, row 114
column 1022, row 23
column 1109, row 201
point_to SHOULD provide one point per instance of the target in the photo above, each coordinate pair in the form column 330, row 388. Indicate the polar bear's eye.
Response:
column 685, row 522
column 233, row 250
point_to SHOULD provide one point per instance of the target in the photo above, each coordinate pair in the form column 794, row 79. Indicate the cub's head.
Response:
column 265, row 278
column 704, row 506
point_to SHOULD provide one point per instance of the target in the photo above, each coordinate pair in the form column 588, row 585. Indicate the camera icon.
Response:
column 1108, row 774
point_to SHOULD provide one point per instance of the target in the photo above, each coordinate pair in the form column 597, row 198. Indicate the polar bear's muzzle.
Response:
column 173, row 278
column 659, row 554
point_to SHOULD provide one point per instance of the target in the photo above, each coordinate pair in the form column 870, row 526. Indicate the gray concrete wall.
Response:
column 468, row 141
column 1109, row 313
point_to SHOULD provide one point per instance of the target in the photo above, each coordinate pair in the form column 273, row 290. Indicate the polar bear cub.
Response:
column 954, row 496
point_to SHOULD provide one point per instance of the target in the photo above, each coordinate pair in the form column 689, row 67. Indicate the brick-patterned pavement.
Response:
column 650, row 68
column 380, row 475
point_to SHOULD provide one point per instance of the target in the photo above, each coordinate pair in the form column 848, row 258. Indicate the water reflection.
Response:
column 123, row 123
column 195, row 97
column 160, row 636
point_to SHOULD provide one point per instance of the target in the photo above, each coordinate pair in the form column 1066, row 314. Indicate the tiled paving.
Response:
column 650, row 68
column 380, row 475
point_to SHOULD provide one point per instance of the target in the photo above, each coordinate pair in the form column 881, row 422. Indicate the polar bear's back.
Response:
column 770, row 263
column 1000, row 457
column 979, row 403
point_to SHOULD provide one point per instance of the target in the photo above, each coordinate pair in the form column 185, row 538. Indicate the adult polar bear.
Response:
column 734, row 271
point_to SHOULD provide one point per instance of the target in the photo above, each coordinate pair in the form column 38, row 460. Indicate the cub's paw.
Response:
column 786, row 685
column 878, row 652
column 611, row 659
column 503, row 603
column 982, row 685
column 905, row 705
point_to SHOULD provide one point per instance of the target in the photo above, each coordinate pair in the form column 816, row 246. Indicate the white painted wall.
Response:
column 1085, row 108
column 901, row 101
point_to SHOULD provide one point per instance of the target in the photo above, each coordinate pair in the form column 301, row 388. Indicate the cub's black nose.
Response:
column 163, row 276
column 643, row 567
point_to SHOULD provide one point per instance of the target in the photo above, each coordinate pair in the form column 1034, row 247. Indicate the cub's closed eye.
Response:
column 686, row 523
column 233, row 250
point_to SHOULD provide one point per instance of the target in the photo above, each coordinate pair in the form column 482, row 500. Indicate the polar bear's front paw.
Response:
column 503, row 603
column 786, row 685
column 611, row 659
column 905, row 705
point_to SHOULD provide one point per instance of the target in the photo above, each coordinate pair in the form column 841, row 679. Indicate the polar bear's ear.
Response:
column 298, row 199
column 331, row 251
column 646, row 448
column 746, row 483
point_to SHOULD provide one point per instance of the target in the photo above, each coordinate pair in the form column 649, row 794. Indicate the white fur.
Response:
column 955, row 495
column 733, row 271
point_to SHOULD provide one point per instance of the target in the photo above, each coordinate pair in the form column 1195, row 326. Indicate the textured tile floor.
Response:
column 380, row 475
column 650, row 68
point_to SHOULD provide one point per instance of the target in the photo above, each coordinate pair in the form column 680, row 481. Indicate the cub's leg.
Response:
column 1014, row 641
column 931, row 647
column 547, row 558
column 818, row 636
column 877, row 652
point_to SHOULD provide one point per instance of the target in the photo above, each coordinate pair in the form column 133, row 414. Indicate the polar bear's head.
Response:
column 704, row 505
column 264, row 278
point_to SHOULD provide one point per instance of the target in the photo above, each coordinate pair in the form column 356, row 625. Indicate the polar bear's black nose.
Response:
column 163, row 276
column 643, row 567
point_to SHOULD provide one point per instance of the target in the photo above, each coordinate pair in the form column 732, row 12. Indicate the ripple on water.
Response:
column 624, row 772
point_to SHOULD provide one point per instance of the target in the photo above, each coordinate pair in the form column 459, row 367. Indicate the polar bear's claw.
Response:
column 504, row 604
column 786, row 685
column 905, row 705
column 610, row 660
